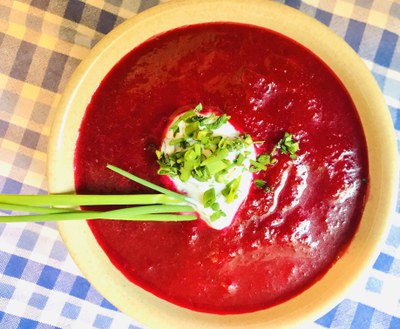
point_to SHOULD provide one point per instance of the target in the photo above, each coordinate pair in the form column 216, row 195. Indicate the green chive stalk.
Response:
column 153, row 213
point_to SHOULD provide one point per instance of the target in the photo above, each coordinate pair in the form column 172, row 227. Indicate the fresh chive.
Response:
column 240, row 159
column 264, row 159
column 201, row 174
column 147, row 184
column 35, row 209
column 131, row 213
column 259, row 183
column 187, row 116
column 198, row 108
column 230, row 190
column 247, row 139
column 186, row 172
column 177, row 141
column 216, row 166
column 220, row 177
column 218, row 155
column 209, row 198
column 143, row 210
column 191, row 129
column 216, row 215
column 288, row 145
column 95, row 215
column 215, row 206
column 175, row 127
column 202, row 136
column 159, row 154
column 218, row 123
column 256, row 166
column 159, row 207
column 86, row 200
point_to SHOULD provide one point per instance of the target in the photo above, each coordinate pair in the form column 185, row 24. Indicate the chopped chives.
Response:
column 211, row 157
column 264, row 159
column 198, row 108
column 288, row 145
column 259, row 183
column 209, row 198
column 256, row 166
column 230, row 190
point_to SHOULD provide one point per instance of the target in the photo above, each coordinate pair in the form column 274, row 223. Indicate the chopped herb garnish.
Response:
column 216, row 215
column 239, row 160
column 218, row 155
column 198, row 108
column 257, row 166
column 215, row 206
column 159, row 154
column 201, row 154
column 288, row 146
column 201, row 174
column 209, row 198
column 262, row 184
column 218, row 123
column 230, row 190
column 264, row 159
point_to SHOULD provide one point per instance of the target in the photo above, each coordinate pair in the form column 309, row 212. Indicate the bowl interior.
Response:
column 366, row 96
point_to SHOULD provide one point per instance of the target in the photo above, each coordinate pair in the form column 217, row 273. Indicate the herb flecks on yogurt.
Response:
column 213, row 163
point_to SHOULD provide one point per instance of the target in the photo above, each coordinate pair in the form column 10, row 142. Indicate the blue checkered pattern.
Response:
column 43, row 279
column 40, row 287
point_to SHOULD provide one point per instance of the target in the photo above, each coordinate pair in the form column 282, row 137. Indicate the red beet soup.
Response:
column 280, row 242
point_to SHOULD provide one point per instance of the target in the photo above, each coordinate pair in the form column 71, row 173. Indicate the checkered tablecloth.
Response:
column 41, row 43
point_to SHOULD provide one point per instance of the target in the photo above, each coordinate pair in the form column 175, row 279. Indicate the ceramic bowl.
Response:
column 328, row 291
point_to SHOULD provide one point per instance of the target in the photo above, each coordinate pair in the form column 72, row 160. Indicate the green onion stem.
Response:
column 85, row 200
column 72, row 216
column 147, row 184
column 142, row 210
column 154, row 213
column 154, row 207
column 34, row 209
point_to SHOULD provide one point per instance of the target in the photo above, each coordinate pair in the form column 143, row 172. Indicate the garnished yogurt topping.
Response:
column 208, row 160
column 213, row 163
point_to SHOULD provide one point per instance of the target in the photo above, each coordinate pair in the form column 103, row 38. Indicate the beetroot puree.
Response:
column 280, row 242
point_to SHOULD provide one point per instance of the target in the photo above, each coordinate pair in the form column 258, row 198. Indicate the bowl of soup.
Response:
column 296, row 242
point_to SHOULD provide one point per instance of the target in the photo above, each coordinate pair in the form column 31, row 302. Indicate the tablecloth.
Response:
column 41, row 43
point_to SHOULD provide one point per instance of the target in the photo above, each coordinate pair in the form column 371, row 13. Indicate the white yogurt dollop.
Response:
column 195, row 189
